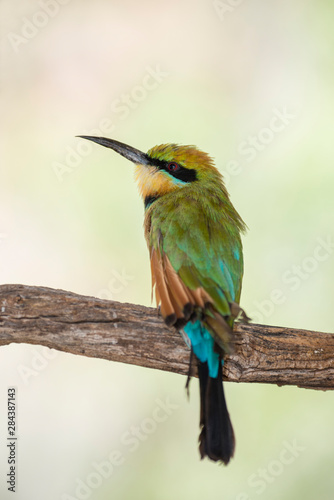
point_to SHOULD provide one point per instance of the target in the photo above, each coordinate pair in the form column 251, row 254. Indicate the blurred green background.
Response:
column 252, row 84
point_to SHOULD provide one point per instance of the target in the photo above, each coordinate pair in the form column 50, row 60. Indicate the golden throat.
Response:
column 153, row 182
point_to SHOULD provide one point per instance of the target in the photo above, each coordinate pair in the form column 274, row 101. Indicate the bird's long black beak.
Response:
column 128, row 152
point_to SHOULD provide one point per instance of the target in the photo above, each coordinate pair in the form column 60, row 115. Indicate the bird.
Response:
column 193, row 234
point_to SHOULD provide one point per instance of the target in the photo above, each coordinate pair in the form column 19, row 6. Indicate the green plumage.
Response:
column 200, row 233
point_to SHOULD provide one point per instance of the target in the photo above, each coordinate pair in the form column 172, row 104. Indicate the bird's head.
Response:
column 165, row 168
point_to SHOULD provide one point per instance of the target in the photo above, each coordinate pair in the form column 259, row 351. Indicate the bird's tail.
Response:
column 217, row 437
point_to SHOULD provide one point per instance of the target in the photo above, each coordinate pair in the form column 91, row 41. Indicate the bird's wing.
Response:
column 197, row 269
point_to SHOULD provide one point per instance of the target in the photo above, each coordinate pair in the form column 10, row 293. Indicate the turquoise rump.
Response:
column 203, row 346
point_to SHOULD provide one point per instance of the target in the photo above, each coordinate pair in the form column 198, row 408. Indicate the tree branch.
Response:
column 137, row 335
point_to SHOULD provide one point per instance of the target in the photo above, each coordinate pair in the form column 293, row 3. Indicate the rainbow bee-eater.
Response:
column 193, row 236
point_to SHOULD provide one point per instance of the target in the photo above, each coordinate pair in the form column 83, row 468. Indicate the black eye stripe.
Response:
column 181, row 173
column 184, row 174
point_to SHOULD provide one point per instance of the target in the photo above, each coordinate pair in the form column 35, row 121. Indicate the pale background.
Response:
column 226, row 71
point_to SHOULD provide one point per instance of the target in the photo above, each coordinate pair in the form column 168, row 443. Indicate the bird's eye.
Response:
column 173, row 167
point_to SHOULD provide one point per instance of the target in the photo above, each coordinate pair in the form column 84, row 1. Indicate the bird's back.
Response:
column 198, row 229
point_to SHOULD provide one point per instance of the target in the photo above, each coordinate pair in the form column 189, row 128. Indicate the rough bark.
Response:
column 137, row 335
